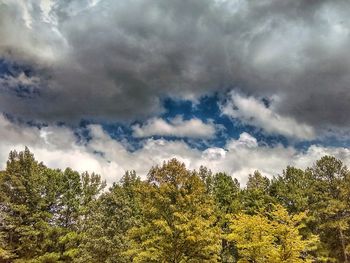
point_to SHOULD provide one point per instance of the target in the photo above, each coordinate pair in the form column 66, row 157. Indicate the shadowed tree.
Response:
column 226, row 193
column 111, row 217
column 256, row 196
column 330, row 205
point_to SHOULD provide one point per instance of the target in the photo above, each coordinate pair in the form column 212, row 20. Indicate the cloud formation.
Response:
column 251, row 111
column 58, row 147
column 176, row 127
column 116, row 60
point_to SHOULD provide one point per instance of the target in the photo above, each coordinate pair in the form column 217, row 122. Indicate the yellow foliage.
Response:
column 270, row 237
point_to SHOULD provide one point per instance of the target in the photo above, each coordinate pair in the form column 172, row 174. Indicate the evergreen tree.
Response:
column 111, row 216
column 329, row 204
column 226, row 193
column 43, row 211
column 256, row 197
column 293, row 189
column 25, row 205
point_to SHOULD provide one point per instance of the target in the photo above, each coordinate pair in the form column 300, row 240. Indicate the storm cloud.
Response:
column 117, row 60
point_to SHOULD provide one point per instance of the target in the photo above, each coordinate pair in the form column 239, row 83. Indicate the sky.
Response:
column 234, row 85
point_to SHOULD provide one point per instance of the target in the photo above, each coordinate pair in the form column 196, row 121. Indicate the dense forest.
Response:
column 174, row 215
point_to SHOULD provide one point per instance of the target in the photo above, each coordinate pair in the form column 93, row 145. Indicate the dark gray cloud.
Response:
column 116, row 59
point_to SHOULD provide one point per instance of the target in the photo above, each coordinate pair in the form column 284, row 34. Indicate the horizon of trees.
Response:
column 175, row 215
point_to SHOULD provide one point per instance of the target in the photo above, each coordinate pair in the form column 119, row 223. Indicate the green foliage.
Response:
column 42, row 210
column 226, row 191
column 293, row 189
column 25, row 204
column 175, row 215
column 111, row 216
column 178, row 219
column 331, row 207
column 257, row 182
column 256, row 196
column 323, row 191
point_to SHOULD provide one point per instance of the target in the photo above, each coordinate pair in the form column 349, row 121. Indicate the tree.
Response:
column 175, row 215
column 293, row 189
column 330, row 205
column 225, row 192
column 111, row 217
column 78, row 203
column 178, row 218
column 226, row 195
column 270, row 237
column 43, row 211
column 5, row 253
column 256, row 196
column 258, row 182
column 25, row 205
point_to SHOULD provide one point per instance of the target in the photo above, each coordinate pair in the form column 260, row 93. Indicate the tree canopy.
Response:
column 173, row 215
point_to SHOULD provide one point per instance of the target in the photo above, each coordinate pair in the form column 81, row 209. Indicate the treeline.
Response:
column 175, row 215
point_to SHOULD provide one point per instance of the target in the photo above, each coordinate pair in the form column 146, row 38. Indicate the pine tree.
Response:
column 111, row 216
column 256, row 196
column 43, row 211
column 330, row 205
column 226, row 192
column 292, row 189
column 25, row 205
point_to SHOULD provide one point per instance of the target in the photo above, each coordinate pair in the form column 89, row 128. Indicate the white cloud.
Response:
column 238, row 158
column 58, row 147
column 46, row 7
column 177, row 127
column 245, row 140
column 251, row 111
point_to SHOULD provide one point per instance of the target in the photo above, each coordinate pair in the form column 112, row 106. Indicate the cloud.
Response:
column 176, row 127
column 27, row 35
column 254, row 112
column 58, row 147
column 117, row 60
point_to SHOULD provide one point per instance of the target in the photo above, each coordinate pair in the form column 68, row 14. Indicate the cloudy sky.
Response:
column 235, row 85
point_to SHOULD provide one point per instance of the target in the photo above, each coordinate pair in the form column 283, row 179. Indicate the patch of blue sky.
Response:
column 10, row 70
column 206, row 109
